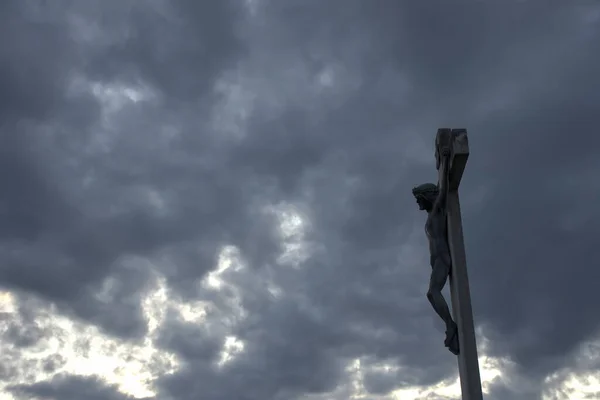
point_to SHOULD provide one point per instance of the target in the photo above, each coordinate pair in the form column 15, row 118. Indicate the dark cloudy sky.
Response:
column 211, row 199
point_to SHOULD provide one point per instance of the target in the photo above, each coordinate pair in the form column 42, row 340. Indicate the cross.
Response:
column 468, row 364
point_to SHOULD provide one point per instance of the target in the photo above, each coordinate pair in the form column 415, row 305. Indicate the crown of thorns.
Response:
column 424, row 189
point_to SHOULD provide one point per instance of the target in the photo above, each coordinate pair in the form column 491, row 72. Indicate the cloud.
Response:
column 222, row 190
column 70, row 387
column 71, row 198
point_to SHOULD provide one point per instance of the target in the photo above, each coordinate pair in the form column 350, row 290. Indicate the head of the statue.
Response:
column 425, row 195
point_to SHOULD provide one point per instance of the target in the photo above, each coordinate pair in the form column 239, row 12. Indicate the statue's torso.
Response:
column 436, row 231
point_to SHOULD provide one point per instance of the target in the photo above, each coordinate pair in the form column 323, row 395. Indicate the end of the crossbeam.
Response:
column 457, row 140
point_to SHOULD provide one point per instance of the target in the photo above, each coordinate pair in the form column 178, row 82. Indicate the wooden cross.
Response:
column 468, row 364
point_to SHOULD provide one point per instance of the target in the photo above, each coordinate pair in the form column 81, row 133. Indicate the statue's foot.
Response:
column 451, row 341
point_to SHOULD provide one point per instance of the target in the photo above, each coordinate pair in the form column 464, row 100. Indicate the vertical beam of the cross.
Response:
column 468, row 364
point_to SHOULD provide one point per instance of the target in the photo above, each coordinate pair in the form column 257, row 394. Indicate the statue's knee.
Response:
column 429, row 294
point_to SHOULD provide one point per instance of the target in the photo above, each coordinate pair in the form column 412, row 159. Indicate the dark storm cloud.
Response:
column 281, row 345
column 548, row 133
column 520, row 76
column 37, row 56
column 178, row 48
column 190, row 340
column 54, row 245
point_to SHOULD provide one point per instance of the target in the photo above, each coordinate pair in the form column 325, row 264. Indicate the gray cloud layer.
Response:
column 331, row 107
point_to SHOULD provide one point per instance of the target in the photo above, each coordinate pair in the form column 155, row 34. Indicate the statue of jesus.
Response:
column 432, row 199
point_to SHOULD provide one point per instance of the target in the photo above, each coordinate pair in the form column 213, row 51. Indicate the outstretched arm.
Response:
column 440, row 202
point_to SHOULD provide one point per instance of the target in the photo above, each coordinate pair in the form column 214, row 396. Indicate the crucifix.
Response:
column 448, row 259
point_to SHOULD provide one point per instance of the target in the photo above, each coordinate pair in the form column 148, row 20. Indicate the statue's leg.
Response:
column 439, row 276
